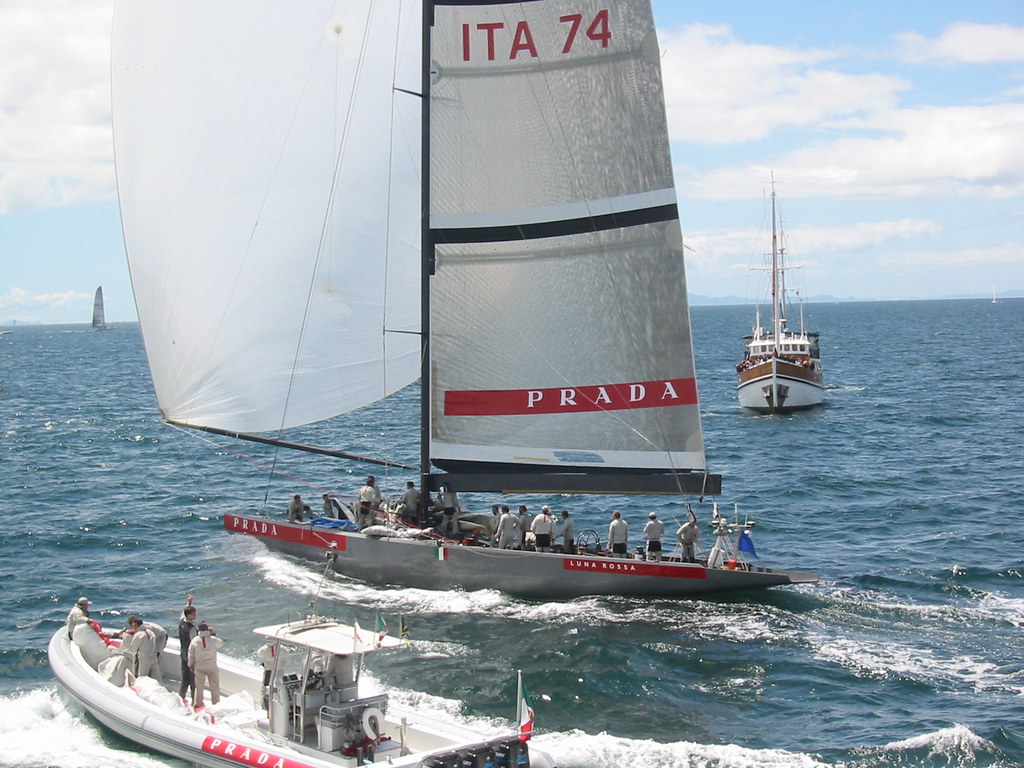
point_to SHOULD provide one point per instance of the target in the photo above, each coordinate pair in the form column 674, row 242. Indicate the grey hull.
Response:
column 536, row 575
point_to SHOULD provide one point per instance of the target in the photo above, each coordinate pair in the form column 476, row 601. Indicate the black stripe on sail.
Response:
column 561, row 228
column 470, row 477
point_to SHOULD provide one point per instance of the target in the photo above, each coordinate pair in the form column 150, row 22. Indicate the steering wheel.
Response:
column 588, row 541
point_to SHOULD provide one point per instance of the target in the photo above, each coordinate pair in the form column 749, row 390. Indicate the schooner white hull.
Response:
column 534, row 575
column 780, row 387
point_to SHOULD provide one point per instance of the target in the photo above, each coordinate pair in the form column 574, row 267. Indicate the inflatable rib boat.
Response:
column 303, row 711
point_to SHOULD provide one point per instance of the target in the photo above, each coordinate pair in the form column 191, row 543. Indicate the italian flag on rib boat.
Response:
column 524, row 712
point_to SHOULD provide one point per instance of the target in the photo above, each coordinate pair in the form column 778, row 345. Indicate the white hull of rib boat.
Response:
column 152, row 715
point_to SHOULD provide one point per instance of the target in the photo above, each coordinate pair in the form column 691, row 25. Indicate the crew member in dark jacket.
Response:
column 186, row 632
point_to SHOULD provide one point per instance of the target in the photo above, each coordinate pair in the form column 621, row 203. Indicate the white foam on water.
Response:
column 884, row 660
column 956, row 745
column 37, row 728
column 1003, row 608
column 942, row 741
column 576, row 749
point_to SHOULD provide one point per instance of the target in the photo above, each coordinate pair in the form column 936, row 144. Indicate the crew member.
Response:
column 653, row 530
column 618, row 535
column 202, row 657
column 79, row 614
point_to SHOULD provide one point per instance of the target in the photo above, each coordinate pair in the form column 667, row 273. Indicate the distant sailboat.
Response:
column 994, row 299
column 98, row 320
column 781, row 370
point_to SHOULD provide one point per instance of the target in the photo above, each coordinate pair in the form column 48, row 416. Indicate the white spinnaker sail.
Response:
column 98, row 316
column 559, row 322
column 263, row 156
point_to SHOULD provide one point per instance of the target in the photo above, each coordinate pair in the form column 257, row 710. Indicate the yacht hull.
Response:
column 777, row 386
column 535, row 575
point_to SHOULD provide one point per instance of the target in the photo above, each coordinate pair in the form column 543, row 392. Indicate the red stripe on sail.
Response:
column 597, row 397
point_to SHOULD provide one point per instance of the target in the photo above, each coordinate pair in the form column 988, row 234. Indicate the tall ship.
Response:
column 477, row 195
column 781, row 369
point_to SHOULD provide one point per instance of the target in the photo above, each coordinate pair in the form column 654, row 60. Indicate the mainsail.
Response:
column 275, row 162
column 268, row 173
column 560, row 344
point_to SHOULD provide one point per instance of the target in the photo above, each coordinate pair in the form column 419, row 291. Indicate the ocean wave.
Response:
column 954, row 747
column 38, row 730
column 576, row 749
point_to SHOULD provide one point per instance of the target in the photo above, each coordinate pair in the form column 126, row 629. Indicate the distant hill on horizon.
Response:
column 697, row 300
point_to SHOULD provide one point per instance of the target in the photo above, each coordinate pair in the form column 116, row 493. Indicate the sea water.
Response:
column 905, row 491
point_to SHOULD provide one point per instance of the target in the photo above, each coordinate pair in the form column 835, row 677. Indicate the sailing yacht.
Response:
column 479, row 195
column 781, row 369
column 99, row 322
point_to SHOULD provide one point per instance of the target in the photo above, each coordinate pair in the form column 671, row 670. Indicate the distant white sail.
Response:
column 265, row 198
column 560, row 329
column 98, row 320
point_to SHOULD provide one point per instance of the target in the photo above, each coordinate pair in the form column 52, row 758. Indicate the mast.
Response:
column 776, row 297
column 426, row 252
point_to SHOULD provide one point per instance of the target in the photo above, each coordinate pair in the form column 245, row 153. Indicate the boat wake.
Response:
column 39, row 730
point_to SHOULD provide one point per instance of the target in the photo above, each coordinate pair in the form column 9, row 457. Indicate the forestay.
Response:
column 560, row 336
column 261, row 217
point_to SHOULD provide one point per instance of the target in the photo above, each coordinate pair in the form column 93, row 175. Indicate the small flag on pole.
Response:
column 524, row 712
column 360, row 642
column 746, row 544
column 381, row 629
column 403, row 630
column 441, row 554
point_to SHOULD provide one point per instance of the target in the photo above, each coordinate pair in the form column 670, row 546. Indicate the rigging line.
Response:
column 287, row 444
column 272, row 468
column 388, row 410
column 329, row 203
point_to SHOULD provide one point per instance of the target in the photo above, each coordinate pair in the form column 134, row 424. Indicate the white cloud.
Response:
column 967, row 42
column 18, row 298
column 721, row 90
column 855, row 138
column 717, row 251
column 55, row 135
column 994, row 256
column 928, row 152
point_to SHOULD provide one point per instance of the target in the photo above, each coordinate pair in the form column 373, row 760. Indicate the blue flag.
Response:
column 746, row 544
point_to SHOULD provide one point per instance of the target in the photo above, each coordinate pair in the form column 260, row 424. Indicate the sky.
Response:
column 894, row 131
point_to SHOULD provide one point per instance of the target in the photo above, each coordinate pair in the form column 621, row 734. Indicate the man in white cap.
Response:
column 654, row 530
column 79, row 615
column 543, row 528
